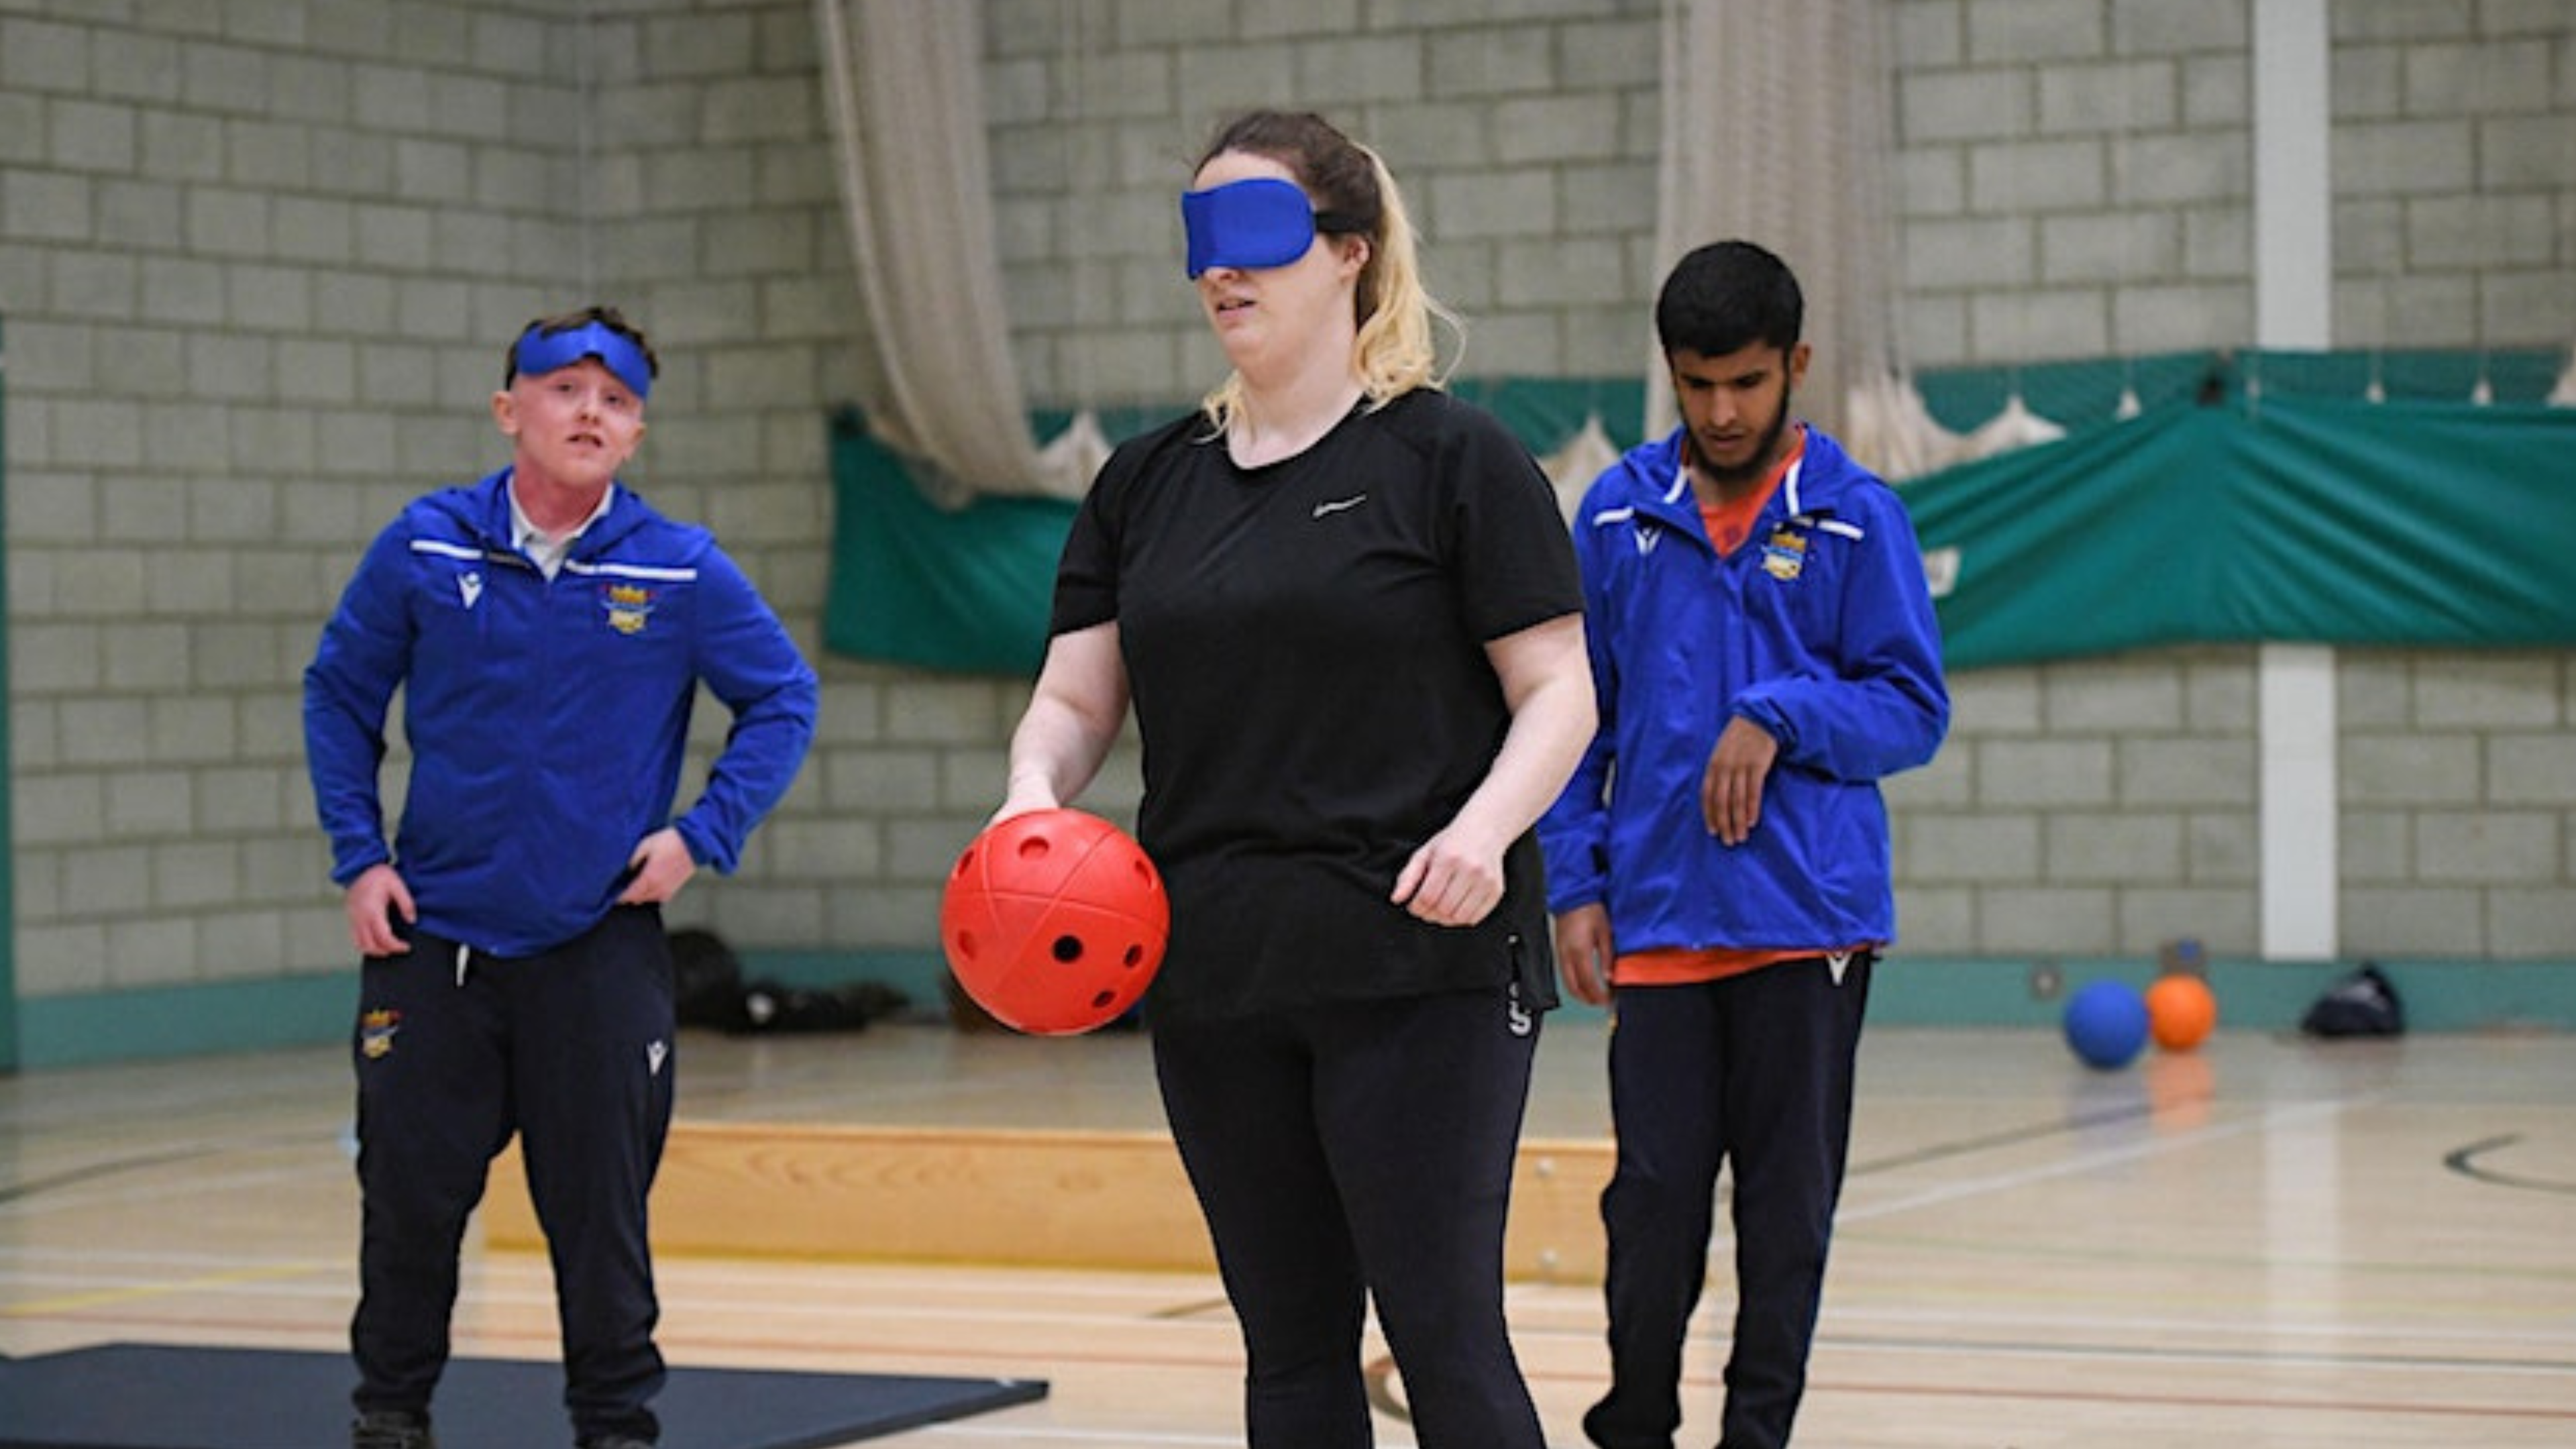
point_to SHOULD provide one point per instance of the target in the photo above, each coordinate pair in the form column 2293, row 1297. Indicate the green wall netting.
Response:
column 2312, row 520
column 2249, row 496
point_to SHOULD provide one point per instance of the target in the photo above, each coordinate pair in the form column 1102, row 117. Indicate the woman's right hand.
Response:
column 1024, row 799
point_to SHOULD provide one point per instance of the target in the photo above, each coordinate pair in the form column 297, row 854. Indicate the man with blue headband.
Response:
column 549, row 631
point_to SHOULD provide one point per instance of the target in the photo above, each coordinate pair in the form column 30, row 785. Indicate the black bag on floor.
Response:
column 708, row 989
column 706, row 980
column 2361, row 1004
column 775, row 1006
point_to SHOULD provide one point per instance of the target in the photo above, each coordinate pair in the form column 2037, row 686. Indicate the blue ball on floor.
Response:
column 2106, row 1024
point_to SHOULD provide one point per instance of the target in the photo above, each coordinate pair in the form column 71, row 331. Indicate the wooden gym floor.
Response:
column 2267, row 1242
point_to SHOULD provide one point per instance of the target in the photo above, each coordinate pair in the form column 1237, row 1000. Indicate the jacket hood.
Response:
column 1648, row 479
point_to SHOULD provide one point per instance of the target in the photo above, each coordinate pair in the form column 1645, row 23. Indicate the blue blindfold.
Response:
column 1260, row 222
column 538, row 352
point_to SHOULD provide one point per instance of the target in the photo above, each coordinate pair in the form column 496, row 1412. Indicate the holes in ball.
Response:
column 1135, row 956
column 1066, row 949
column 1034, row 847
column 967, row 945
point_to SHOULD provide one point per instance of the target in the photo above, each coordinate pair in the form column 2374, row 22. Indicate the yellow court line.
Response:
column 76, row 1302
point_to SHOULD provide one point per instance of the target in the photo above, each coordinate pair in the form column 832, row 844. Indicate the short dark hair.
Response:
column 1727, row 296
column 608, row 317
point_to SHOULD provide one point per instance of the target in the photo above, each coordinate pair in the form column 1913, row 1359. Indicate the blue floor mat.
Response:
column 153, row 1396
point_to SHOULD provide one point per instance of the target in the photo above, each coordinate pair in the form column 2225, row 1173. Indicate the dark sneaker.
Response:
column 391, row 1429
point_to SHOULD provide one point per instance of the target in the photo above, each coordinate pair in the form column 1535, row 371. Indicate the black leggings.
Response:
column 1352, row 1150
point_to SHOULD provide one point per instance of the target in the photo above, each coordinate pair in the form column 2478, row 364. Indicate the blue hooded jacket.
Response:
column 547, row 719
column 1819, row 629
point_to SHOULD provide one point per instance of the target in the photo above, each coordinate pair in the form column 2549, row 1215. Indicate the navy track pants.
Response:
column 1753, row 1072
column 572, row 1051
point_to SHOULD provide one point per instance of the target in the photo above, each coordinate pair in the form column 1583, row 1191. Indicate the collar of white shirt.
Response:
column 546, row 552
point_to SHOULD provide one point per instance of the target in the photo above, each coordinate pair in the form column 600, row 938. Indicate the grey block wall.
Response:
column 1525, row 147
column 2096, row 808
column 258, row 260
column 252, row 262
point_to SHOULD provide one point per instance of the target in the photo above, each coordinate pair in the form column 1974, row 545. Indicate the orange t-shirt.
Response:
column 1688, row 965
column 1729, row 524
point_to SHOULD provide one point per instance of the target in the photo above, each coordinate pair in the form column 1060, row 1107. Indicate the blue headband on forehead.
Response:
column 1260, row 222
column 538, row 352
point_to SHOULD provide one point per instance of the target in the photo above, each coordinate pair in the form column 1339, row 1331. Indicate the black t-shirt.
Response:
column 1304, row 643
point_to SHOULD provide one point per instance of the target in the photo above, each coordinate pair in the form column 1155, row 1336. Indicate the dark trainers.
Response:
column 391, row 1429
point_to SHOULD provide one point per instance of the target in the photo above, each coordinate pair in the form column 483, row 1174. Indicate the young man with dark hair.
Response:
column 1764, row 652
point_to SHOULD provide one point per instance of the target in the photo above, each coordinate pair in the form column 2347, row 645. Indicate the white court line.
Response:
column 2256, row 1356
column 1854, row 1323
column 2087, row 1162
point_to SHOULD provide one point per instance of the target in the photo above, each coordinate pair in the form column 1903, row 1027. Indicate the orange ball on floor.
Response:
column 2181, row 1011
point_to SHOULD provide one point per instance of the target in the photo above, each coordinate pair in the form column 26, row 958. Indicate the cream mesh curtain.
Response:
column 904, row 82
column 1776, row 130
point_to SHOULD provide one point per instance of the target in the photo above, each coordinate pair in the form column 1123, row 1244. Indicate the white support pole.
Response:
column 2293, row 187
column 2294, row 308
column 2295, row 685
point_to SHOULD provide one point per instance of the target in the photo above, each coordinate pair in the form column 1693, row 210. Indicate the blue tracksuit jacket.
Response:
column 547, row 718
column 1820, row 629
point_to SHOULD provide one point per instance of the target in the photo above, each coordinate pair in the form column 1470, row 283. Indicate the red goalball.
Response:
column 1054, row 922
